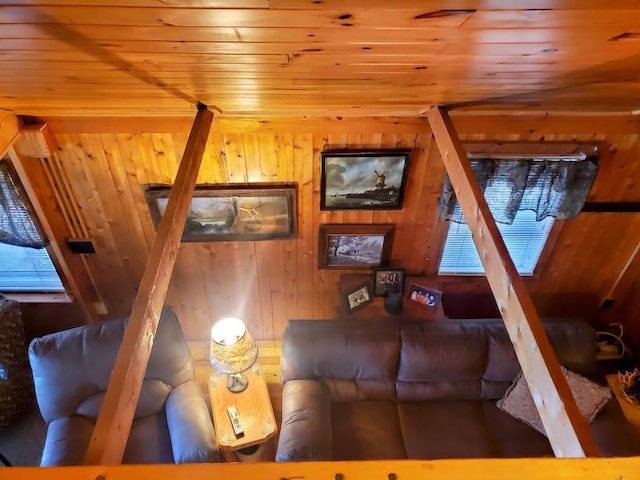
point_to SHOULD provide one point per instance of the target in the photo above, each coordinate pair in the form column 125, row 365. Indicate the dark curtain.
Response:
column 18, row 222
column 550, row 188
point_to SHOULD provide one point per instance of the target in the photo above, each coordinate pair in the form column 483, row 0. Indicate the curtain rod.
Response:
column 578, row 157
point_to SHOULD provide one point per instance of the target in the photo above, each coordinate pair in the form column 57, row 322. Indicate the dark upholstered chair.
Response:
column 71, row 371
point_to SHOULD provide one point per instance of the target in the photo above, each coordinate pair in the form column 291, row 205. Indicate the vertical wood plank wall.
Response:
column 269, row 282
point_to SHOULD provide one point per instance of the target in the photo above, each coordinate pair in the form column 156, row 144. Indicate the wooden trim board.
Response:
column 111, row 432
column 568, row 431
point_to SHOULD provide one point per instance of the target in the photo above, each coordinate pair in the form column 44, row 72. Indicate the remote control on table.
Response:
column 235, row 421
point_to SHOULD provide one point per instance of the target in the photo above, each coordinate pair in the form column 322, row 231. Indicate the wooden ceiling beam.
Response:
column 566, row 428
column 112, row 428
column 9, row 131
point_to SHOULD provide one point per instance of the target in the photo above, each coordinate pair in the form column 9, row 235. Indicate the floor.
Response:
column 22, row 441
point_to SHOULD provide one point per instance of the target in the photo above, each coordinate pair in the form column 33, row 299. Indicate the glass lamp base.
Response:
column 237, row 382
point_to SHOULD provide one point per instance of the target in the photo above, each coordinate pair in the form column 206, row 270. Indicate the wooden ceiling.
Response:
column 317, row 57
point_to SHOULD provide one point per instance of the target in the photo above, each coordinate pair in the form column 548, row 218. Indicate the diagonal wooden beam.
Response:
column 568, row 431
column 112, row 428
column 9, row 131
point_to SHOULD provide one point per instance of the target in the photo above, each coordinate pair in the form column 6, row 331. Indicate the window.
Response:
column 28, row 267
column 24, row 269
column 525, row 238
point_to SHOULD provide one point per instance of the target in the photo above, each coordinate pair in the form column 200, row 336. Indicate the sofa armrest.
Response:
column 306, row 422
column 190, row 426
column 67, row 441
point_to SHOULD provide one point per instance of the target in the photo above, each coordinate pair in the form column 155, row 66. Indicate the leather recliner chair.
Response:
column 71, row 371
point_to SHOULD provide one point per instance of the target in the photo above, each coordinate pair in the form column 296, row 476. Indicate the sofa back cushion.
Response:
column 475, row 359
column 418, row 361
column 441, row 360
column 356, row 360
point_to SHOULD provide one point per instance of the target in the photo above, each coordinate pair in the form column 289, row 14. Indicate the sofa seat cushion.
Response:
column 366, row 431
column 511, row 437
column 445, row 429
column 615, row 436
column 149, row 441
column 153, row 394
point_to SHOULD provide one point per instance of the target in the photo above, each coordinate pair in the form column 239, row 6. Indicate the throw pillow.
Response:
column 518, row 403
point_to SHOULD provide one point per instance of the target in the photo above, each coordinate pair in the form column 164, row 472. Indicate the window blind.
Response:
column 24, row 269
column 525, row 238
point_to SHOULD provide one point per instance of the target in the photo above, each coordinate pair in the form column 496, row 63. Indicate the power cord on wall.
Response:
column 610, row 344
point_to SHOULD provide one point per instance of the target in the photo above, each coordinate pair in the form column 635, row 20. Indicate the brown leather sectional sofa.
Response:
column 356, row 390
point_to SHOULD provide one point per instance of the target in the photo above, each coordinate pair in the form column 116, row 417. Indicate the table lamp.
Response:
column 232, row 351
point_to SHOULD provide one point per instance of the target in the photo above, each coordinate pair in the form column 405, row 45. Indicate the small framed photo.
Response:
column 388, row 281
column 358, row 297
column 427, row 297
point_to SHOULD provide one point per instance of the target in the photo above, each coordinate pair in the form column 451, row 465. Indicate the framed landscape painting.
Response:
column 363, row 180
column 354, row 246
column 233, row 212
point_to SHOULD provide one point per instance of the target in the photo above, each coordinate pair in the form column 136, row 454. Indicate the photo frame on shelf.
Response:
column 358, row 297
column 387, row 281
column 354, row 246
column 233, row 212
column 363, row 179
column 427, row 297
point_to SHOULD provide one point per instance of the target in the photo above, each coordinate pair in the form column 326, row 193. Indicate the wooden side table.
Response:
column 254, row 408
column 632, row 412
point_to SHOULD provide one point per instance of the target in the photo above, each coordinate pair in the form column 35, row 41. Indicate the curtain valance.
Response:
column 18, row 222
column 551, row 188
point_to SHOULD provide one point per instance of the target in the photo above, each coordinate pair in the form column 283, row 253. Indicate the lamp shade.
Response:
column 232, row 348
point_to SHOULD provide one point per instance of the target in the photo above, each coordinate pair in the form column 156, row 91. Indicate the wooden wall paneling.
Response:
column 267, row 258
column 247, row 284
column 288, row 149
column 626, row 295
column 427, row 222
column 198, row 272
column 631, row 257
column 321, row 277
column 103, row 265
column 411, row 221
column 130, row 200
column 136, row 178
column 116, row 222
column 149, row 153
column 216, row 159
column 290, row 295
column 236, row 165
column 307, row 232
column 57, row 189
column 163, row 166
column 253, row 163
